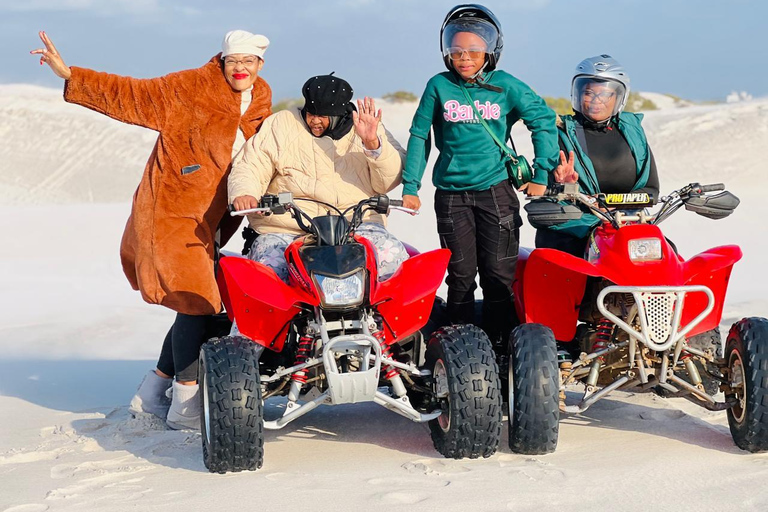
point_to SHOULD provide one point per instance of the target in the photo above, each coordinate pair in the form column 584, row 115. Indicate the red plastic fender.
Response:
column 711, row 268
column 553, row 289
column 405, row 300
column 261, row 303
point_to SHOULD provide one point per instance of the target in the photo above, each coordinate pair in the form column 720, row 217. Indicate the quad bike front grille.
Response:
column 659, row 309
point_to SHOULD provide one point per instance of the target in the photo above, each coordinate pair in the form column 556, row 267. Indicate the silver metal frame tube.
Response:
column 643, row 335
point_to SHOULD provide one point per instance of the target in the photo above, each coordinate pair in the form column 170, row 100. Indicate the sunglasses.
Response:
column 473, row 53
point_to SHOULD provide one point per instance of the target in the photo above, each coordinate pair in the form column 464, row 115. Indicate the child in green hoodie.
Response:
column 477, row 209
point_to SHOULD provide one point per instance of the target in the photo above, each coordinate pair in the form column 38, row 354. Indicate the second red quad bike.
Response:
column 634, row 315
column 338, row 335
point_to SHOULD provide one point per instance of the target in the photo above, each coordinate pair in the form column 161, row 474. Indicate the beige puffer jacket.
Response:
column 285, row 157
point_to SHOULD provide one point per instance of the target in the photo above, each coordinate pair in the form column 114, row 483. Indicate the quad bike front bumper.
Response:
column 358, row 381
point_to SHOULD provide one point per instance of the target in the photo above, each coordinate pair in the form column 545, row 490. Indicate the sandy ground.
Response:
column 75, row 342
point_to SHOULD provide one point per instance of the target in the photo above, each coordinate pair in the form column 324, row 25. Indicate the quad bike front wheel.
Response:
column 465, row 381
column 232, row 409
column 747, row 354
column 534, row 390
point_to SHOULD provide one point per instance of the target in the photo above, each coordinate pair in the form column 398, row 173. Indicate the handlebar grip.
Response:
column 715, row 187
column 395, row 202
column 554, row 190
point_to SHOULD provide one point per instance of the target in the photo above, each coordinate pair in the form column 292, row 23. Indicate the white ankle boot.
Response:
column 185, row 407
column 150, row 398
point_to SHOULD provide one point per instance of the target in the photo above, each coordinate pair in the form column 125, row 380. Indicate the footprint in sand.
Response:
column 662, row 415
column 435, row 467
column 27, row 508
column 506, row 460
column 117, row 475
column 405, row 482
column 403, row 498
column 530, row 468
column 63, row 471
column 534, row 474
column 278, row 477
column 35, row 455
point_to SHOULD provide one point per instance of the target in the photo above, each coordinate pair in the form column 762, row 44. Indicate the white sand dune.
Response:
column 75, row 341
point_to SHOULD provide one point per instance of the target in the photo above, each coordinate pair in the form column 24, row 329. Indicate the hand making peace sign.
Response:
column 564, row 172
column 49, row 55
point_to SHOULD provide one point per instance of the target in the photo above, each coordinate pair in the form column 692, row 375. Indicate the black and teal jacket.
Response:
column 630, row 128
column 469, row 158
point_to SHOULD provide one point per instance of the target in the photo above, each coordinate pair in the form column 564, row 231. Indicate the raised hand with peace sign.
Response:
column 49, row 55
column 564, row 172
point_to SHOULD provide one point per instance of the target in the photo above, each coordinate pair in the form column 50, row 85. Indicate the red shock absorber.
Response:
column 603, row 334
column 386, row 351
column 302, row 354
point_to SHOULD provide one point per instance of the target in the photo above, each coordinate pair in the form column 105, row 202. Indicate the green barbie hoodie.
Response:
column 469, row 158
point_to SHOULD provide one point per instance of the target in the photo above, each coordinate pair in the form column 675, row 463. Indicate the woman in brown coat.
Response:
column 203, row 117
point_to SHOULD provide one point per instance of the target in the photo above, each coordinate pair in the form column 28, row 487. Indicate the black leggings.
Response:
column 181, row 347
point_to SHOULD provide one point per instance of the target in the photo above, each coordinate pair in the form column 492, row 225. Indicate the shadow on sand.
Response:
column 98, row 391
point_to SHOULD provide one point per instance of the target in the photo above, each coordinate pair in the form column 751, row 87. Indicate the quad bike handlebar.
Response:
column 715, row 187
column 692, row 196
column 322, row 226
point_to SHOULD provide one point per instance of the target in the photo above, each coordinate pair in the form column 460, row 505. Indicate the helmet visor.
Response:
column 469, row 37
column 596, row 98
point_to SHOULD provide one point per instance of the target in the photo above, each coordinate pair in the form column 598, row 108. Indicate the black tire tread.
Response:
column 750, row 337
column 534, row 413
column 237, row 413
column 474, row 394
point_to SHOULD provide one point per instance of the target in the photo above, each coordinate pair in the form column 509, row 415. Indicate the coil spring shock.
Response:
column 603, row 334
column 302, row 354
column 386, row 351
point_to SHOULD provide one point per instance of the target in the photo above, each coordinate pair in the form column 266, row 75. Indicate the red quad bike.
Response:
column 637, row 315
column 338, row 335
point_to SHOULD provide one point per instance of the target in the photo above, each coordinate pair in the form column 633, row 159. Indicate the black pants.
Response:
column 550, row 239
column 481, row 228
column 181, row 347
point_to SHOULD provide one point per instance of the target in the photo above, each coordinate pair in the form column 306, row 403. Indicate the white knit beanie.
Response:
column 241, row 41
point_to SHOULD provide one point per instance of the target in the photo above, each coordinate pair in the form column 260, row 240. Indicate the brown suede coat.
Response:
column 168, row 243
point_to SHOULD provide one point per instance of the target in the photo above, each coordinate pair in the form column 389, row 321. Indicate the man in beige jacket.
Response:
column 327, row 151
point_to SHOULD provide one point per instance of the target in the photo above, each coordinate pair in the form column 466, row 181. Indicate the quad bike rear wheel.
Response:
column 534, row 390
column 232, row 409
column 747, row 354
column 465, row 380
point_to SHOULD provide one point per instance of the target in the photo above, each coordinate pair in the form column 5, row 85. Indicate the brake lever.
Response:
column 404, row 209
column 240, row 213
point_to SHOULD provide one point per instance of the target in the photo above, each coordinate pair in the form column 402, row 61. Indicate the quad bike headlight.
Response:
column 344, row 291
column 645, row 249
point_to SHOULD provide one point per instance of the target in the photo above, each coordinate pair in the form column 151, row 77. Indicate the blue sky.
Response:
column 698, row 49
